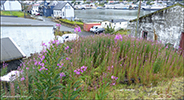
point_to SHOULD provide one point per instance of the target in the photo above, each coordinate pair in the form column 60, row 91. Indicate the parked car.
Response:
column 99, row 30
column 94, row 28
column 67, row 37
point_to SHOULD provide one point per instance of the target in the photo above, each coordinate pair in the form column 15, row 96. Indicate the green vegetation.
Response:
column 109, row 30
column 96, row 67
column 71, row 22
column 13, row 13
column 122, row 32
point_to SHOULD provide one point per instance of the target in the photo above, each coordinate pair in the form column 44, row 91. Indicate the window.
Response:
column 67, row 7
column 120, row 23
column 105, row 23
column 63, row 13
column 145, row 34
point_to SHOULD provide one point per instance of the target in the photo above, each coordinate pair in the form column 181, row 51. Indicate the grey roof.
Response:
column 17, row 21
column 118, row 20
column 9, row 50
column 60, row 5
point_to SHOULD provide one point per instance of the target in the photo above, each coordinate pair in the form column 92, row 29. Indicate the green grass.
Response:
column 71, row 22
column 13, row 13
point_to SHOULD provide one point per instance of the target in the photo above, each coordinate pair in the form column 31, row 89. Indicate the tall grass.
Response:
column 83, row 69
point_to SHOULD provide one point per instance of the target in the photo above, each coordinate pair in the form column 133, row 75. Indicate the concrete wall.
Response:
column 28, row 38
column 168, row 25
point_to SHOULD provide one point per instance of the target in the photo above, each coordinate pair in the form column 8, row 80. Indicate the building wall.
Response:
column 29, row 39
column 167, row 25
column 57, row 13
column 12, row 6
column 68, row 11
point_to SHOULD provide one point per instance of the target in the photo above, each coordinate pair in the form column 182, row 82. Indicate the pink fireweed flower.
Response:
column 22, row 79
column 62, row 75
column 166, row 46
column 118, row 37
column 113, row 83
column 58, row 25
column 67, row 58
column 67, row 48
column 77, row 29
column 112, row 66
column 112, row 77
column 59, row 65
column 43, row 44
column 27, row 68
column 77, row 72
column 83, row 67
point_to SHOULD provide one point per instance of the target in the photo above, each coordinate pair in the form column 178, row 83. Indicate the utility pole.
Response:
column 137, row 23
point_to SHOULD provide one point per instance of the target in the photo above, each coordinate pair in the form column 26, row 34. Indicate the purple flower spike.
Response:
column 166, row 46
column 116, row 78
column 77, row 29
column 67, row 48
column 67, row 58
column 113, row 83
column 118, row 37
column 62, row 75
column 112, row 77
column 27, row 68
column 22, row 79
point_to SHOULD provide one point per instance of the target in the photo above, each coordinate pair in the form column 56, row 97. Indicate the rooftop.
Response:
column 17, row 21
column 10, row 50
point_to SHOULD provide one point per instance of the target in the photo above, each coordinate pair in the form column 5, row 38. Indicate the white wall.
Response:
column 12, row 6
column 57, row 13
column 69, row 12
column 29, row 39
column 116, row 26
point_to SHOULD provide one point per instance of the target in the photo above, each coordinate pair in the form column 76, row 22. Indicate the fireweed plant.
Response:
column 84, row 69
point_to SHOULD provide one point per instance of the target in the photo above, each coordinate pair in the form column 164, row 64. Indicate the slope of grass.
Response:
column 96, row 67
column 13, row 13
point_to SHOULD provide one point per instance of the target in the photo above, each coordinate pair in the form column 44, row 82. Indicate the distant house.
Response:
column 11, row 5
column 115, row 23
column 34, row 9
column 166, row 25
column 46, row 9
column 28, row 34
column 11, row 54
column 63, row 10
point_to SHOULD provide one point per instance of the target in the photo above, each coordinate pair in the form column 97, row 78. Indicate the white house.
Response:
column 116, row 24
column 35, row 8
column 11, row 5
column 63, row 10
column 28, row 34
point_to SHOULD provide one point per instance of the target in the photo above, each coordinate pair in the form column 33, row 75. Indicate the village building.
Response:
column 34, row 9
column 117, row 24
column 165, row 25
column 28, row 34
column 8, row 5
column 11, row 54
column 64, row 10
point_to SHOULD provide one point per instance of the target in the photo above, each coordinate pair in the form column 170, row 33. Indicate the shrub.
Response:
column 109, row 30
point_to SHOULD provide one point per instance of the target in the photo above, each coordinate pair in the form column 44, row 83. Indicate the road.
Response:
column 65, row 28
